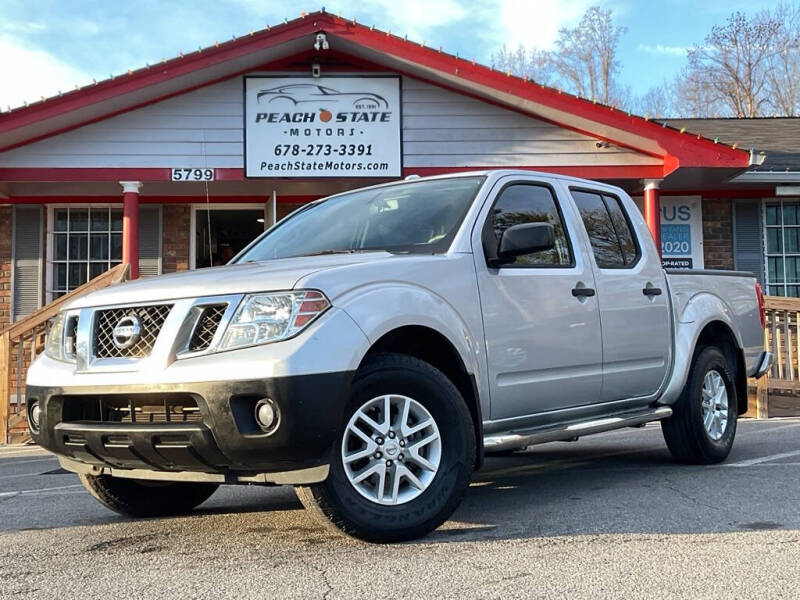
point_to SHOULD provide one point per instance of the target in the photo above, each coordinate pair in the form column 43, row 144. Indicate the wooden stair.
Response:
column 18, row 432
column 21, row 342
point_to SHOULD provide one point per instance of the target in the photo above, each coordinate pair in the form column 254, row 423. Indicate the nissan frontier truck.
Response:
column 373, row 346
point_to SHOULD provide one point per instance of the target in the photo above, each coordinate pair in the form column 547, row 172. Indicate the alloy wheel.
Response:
column 391, row 449
column 715, row 405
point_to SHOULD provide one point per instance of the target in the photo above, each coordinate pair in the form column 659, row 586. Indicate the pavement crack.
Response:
column 672, row 486
column 324, row 574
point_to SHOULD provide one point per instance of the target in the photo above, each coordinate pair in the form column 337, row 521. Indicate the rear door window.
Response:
column 610, row 234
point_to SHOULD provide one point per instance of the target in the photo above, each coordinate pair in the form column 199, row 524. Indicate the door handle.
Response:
column 583, row 292
column 650, row 290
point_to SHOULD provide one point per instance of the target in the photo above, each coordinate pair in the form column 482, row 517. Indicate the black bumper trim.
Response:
column 311, row 409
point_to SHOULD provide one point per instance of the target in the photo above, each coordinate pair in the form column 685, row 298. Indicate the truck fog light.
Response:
column 266, row 414
column 34, row 415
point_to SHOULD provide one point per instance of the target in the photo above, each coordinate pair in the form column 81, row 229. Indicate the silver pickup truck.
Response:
column 372, row 347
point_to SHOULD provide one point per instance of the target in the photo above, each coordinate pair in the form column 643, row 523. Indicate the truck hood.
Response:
column 272, row 275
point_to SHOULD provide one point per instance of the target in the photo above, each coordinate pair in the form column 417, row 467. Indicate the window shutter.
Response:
column 149, row 240
column 748, row 252
column 27, row 277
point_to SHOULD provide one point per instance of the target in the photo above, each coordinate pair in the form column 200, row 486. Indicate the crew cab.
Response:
column 371, row 348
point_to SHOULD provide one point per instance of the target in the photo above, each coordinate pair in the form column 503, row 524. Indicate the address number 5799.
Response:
column 192, row 174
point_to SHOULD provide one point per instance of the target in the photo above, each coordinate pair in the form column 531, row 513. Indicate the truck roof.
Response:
column 494, row 174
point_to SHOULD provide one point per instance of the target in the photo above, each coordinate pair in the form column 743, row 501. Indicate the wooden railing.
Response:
column 21, row 342
column 781, row 337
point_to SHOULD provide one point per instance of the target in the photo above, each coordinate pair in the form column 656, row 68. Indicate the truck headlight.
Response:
column 54, row 345
column 265, row 318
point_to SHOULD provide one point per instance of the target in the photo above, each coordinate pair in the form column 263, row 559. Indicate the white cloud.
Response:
column 28, row 74
column 414, row 17
column 535, row 23
column 22, row 27
column 661, row 50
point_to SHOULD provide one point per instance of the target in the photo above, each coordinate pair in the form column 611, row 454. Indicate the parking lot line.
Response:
column 36, row 474
column 762, row 459
column 19, row 453
column 39, row 491
column 30, row 460
column 770, row 430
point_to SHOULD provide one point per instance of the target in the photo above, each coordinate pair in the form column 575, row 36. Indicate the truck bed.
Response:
column 733, row 292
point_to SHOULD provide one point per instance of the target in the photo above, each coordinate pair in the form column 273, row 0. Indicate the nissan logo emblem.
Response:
column 127, row 332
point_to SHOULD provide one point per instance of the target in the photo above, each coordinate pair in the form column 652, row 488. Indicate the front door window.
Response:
column 221, row 233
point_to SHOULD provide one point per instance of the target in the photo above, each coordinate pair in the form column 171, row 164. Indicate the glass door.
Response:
column 220, row 233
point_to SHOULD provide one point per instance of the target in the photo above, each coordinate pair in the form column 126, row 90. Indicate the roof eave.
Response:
column 677, row 148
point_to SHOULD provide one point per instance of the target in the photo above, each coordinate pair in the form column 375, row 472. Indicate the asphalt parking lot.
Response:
column 607, row 516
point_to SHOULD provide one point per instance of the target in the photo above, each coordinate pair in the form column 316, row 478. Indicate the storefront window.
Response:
column 85, row 243
column 782, row 232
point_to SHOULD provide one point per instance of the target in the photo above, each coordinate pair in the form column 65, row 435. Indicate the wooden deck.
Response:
column 778, row 394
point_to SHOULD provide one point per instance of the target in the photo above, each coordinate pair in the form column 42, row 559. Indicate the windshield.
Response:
column 420, row 217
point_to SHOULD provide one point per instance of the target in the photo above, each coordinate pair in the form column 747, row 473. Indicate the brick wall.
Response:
column 175, row 237
column 5, row 265
column 717, row 233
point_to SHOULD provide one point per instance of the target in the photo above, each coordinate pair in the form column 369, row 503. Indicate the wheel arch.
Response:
column 705, row 320
column 431, row 346
column 719, row 335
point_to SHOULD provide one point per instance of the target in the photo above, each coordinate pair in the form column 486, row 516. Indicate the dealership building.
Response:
column 179, row 164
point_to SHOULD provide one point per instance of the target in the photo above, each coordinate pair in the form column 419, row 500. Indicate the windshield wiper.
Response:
column 350, row 251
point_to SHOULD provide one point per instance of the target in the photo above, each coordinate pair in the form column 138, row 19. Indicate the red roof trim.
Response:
column 133, row 107
column 688, row 150
column 586, row 172
column 170, row 69
column 286, row 64
column 150, row 174
column 71, row 174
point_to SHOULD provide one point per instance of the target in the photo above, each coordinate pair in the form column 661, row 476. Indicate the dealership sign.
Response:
column 681, row 232
column 322, row 127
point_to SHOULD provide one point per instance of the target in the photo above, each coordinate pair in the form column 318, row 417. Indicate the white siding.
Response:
column 204, row 128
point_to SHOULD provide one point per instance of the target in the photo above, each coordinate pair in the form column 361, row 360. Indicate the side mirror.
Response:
column 522, row 239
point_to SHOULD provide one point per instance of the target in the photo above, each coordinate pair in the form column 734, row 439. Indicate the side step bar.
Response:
column 509, row 441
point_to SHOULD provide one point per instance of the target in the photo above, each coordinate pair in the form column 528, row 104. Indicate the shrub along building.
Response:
column 179, row 164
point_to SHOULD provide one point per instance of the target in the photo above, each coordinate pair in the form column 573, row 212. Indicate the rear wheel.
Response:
column 703, row 425
column 403, row 460
column 135, row 498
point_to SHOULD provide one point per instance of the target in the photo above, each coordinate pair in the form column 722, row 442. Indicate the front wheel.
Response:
column 703, row 425
column 134, row 498
column 403, row 460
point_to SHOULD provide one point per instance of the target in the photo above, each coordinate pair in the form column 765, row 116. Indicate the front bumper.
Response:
column 222, row 441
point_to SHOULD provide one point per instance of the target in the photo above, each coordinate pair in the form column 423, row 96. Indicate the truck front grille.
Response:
column 150, row 319
column 206, row 327
column 134, row 408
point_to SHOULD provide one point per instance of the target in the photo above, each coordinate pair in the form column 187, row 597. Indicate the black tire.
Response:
column 337, row 504
column 686, row 435
column 134, row 498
